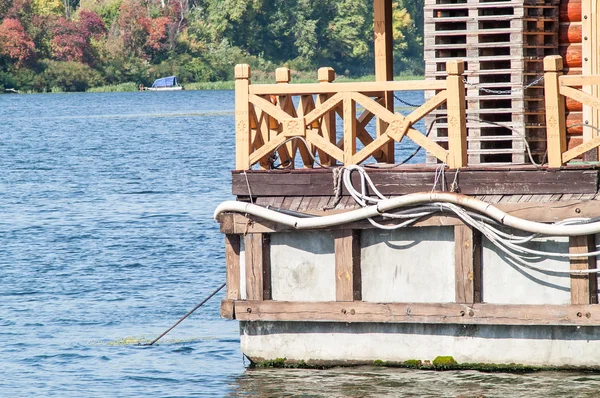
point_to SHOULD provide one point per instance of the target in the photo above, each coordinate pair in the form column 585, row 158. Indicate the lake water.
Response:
column 107, row 237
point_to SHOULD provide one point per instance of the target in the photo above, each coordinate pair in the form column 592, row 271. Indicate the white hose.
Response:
column 410, row 200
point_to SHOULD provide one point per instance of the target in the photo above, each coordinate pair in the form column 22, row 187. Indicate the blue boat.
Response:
column 165, row 84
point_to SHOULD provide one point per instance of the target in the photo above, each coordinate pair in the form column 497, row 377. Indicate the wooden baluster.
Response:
column 457, row 118
column 242, row 117
column 384, row 65
column 349, row 129
column 555, row 110
column 284, row 76
column 327, row 75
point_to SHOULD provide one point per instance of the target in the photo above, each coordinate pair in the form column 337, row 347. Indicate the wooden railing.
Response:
column 267, row 117
column 557, row 89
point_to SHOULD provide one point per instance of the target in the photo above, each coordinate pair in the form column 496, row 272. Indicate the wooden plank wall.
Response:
column 348, row 307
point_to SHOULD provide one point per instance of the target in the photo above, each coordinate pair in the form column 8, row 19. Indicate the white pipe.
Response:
column 409, row 200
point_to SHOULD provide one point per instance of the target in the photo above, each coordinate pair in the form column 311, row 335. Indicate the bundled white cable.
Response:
column 410, row 208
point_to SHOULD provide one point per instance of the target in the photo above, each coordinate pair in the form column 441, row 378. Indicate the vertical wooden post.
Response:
column 258, row 267
column 457, row 117
column 347, row 266
column 349, row 129
column 467, row 254
column 556, row 131
column 590, row 66
column 242, row 117
column 232, row 262
column 584, row 287
column 384, row 64
column 327, row 75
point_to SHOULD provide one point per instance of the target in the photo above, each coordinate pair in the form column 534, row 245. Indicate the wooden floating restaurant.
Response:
column 336, row 253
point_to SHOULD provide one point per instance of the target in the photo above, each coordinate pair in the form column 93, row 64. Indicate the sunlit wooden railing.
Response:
column 557, row 89
column 267, row 116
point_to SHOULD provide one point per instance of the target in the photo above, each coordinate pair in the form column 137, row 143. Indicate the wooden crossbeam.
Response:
column 438, row 313
column 324, row 108
column 269, row 108
column 578, row 95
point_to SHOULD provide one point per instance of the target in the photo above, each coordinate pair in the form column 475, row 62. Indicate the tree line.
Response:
column 72, row 45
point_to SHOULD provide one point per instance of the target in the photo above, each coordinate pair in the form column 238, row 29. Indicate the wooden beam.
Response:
column 232, row 263
column 384, row 63
column 467, row 254
column 347, row 265
column 373, row 89
column 584, row 288
column 349, row 128
column 461, row 314
column 258, row 266
column 242, row 117
column 228, row 309
column 457, row 122
column 555, row 111
column 392, row 183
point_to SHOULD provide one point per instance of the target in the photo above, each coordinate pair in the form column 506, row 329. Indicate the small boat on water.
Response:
column 165, row 84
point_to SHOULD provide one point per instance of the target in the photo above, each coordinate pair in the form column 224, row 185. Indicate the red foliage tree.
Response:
column 91, row 24
column 156, row 30
column 69, row 43
column 15, row 44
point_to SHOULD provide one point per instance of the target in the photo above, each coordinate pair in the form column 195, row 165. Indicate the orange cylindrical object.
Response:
column 571, row 55
column 569, row 33
column 570, row 11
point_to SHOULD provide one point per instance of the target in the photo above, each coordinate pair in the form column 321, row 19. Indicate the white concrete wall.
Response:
column 364, row 343
column 414, row 265
column 504, row 282
column 303, row 266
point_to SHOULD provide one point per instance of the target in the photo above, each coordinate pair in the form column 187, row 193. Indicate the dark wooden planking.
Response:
column 232, row 262
column 584, row 288
column 470, row 182
column 258, row 266
column 228, row 309
column 347, row 265
column 462, row 314
column 467, row 255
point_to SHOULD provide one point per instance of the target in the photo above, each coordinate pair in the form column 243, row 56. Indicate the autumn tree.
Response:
column 15, row 44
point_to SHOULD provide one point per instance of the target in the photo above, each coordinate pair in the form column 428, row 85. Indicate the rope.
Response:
column 248, row 185
column 337, row 188
column 186, row 315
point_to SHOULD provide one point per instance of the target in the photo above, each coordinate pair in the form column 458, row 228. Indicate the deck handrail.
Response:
column 557, row 89
column 267, row 118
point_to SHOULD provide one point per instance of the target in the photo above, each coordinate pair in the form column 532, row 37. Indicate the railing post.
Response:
column 242, row 117
column 556, row 131
column 327, row 75
column 457, row 118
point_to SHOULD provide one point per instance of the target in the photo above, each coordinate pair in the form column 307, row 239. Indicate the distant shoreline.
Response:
column 210, row 86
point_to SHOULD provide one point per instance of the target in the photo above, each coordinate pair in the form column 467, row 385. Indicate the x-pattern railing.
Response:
column 267, row 119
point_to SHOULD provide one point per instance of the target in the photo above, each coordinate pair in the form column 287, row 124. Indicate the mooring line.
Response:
column 186, row 315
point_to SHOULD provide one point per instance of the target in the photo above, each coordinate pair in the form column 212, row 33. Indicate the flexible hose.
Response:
column 415, row 199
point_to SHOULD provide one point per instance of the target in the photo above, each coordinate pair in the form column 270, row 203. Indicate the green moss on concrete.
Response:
column 412, row 364
column 444, row 362
column 441, row 363
column 283, row 363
